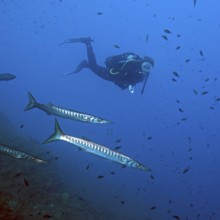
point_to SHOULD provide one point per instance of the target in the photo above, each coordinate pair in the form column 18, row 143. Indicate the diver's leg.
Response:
column 87, row 41
column 91, row 55
column 83, row 64
column 91, row 64
column 98, row 70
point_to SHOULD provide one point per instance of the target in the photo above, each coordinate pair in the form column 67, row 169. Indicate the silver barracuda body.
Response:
column 51, row 109
column 9, row 151
column 96, row 149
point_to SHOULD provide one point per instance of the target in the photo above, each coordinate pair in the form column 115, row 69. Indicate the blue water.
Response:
column 169, row 128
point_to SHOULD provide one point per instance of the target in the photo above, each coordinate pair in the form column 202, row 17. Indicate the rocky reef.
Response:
column 34, row 191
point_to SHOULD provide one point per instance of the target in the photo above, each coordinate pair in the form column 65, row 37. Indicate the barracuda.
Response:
column 9, row 151
column 51, row 109
column 94, row 148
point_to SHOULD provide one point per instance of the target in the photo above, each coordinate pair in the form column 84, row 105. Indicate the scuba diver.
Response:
column 125, row 70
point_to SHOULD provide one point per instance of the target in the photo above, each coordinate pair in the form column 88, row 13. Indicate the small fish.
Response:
column 26, row 183
column 174, row 80
column 149, row 138
column 187, row 60
column 178, row 47
column 176, row 217
column 9, row 151
column 47, row 216
column 118, row 140
column 207, row 79
column 189, row 139
column 87, row 167
column 153, row 208
column 100, row 177
column 117, row 148
column 85, row 138
column 94, row 148
column 176, row 74
column 167, row 31
column 217, row 99
column 183, row 119
column 152, row 177
column 21, row 126
column 178, row 35
column 178, row 101
column 113, row 173
column 147, row 38
column 195, row 92
column 51, row 109
column 99, row 13
column 122, row 202
column 194, row 3
column 116, row 46
column 211, row 107
column 180, row 110
column 170, row 201
column 185, row 170
column 164, row 37
column 204, row 93
column 6, row 76
column 17, row 174
column 201, row 53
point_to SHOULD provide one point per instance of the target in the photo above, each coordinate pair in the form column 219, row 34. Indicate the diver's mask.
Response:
column 146, row 67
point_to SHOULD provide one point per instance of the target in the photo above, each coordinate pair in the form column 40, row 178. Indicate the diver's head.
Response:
column 146, row 67
column 147, row 64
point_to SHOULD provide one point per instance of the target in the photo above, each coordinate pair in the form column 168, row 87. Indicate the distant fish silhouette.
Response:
column 194, row 3
column 6, row 76
column 9, row 151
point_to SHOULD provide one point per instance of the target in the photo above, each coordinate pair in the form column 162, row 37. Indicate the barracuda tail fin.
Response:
column 56, row 135
column 32, row 102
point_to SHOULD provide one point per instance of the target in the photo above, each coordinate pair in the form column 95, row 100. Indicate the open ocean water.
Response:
column 173, row 128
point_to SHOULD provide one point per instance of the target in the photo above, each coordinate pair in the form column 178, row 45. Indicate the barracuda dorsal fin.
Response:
column 56, row 135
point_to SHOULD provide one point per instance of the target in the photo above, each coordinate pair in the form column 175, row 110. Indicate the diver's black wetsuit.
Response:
column 125, row 70
column 92, row 64
column 118, row 70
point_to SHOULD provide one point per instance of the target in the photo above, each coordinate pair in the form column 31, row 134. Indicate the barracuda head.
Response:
column 142, row 167
column 101, row 121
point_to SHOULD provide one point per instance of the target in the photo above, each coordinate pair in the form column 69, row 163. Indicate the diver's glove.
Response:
column 131, row 89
